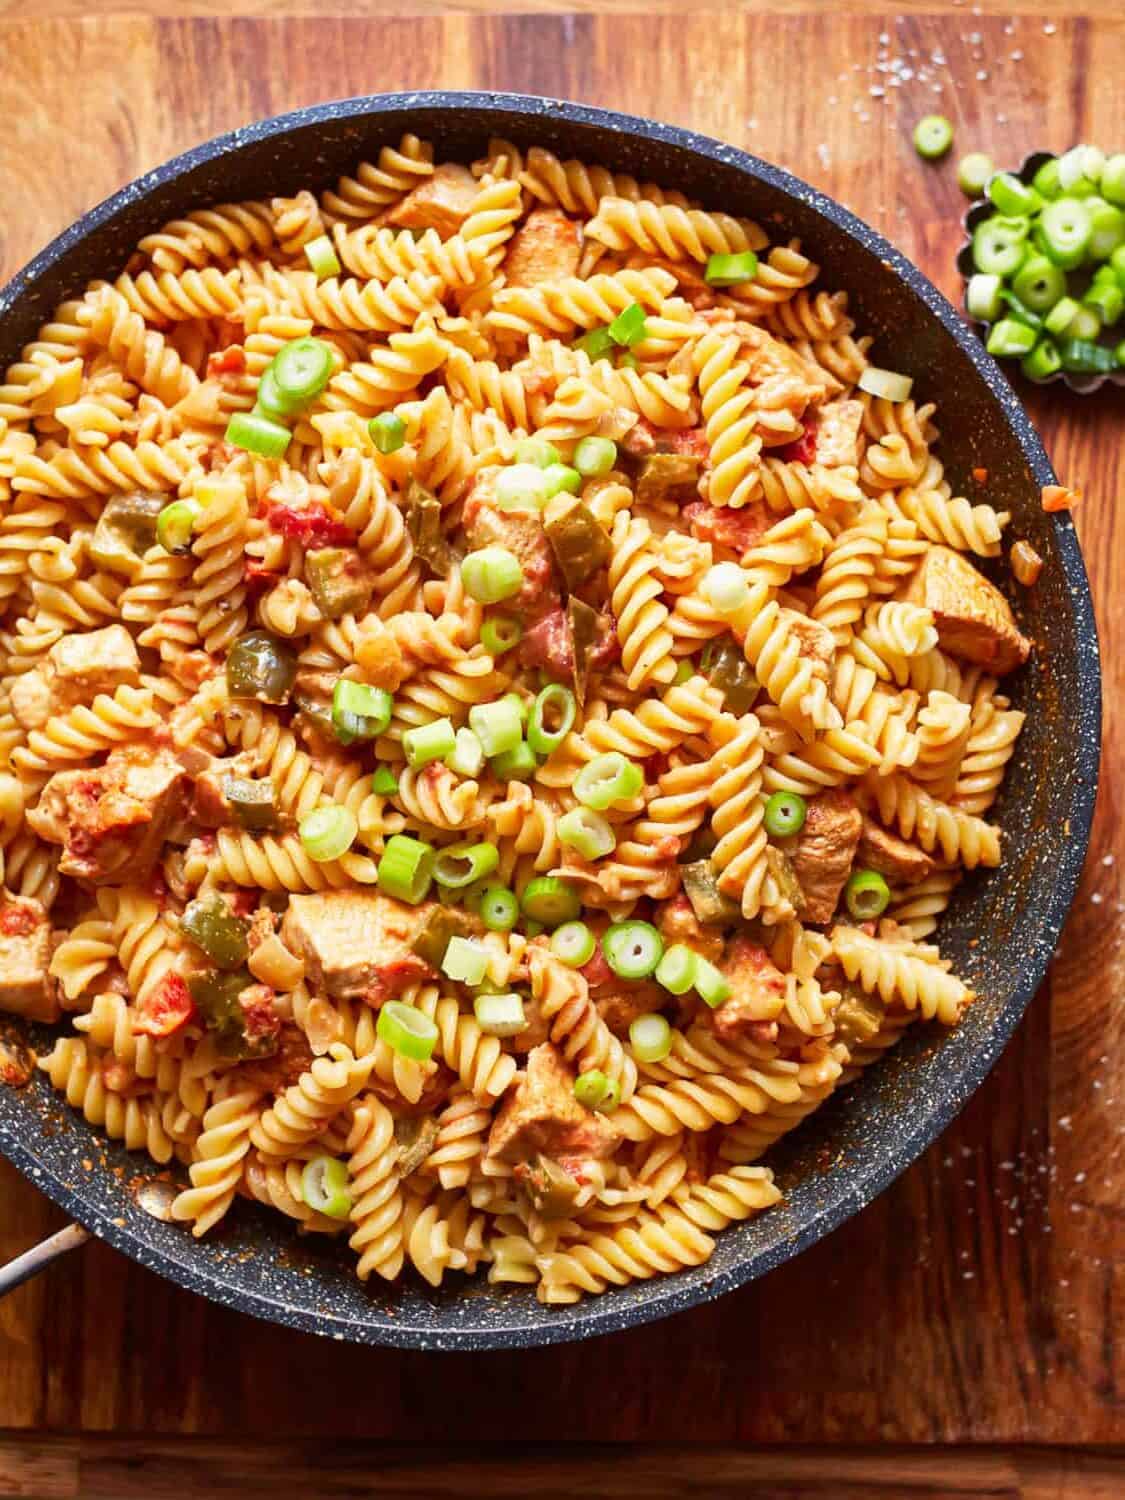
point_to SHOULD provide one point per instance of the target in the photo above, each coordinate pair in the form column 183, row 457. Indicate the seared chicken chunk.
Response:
column 442, row 201
column 26, row 988
column 356, row 943
column 541, row 1114
column 823, row 851
column 974, row 621
column 544, row 248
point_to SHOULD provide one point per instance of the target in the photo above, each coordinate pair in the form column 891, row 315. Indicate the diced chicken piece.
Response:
column 441, row 202
column 815, row 639
column 900, row 862
column 75, row 670
column 95, row 661
column 621, row 1006
column 757, row 992
column 974, row 621
column 737, row 529
column 546, row 247
column 781, row 377
column 677, row 923
column 521, row 531
column 541, row 1114
column 837, row 433
column 536, row 1031
column 823, row 852
column 281, row 1068
column 640, row 440
column 111, row 820
column 26, row 987
column 356, row 943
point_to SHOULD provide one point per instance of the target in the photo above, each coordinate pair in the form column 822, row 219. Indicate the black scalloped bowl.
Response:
column 1002, row 928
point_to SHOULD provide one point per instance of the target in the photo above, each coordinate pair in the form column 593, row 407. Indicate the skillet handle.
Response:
column 40, row 1256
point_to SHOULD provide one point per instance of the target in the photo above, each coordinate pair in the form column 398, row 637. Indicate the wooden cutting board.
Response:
column 979, row 1300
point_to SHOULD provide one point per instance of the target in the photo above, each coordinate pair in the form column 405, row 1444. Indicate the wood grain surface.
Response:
column 981, row 1298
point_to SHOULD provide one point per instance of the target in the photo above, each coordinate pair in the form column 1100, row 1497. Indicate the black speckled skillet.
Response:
column 1002, row 928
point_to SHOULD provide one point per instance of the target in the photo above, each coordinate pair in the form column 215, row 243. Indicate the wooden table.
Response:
column 979, row 1300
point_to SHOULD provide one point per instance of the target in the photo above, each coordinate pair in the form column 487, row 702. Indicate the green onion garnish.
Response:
column 302, row 369
column 492, row 574
column 384, row 782
column 1043, row 361
column 498, row 726
column 933, row 137
column 517, row 764
column 685, row 671
column 535, row 451
column 676, row 970
column 429, row 742
column 973, row 172
column 1010, row 337
column 1039, row 284
column 359, row 712
column 731, row 270
column 560, row 478
column 324, row 1187
column 589, row 833
column 1112, row 182
column 549, row 900
column 269, row 402
column 499, row 910
column 629, row 326
column 998, row 245
column 500, row 634
column 556, row 707
column 1011, row 196
column 724, row 586
column 327, row 832
column 594, row 1090
column 387, row 431
column 260, row 435
column 459, row 865
column 632, row 949
column 521, row 487
column 1065, row 228
column 596, row 344
column 407, row 1031
column 982, row 297
column 866, row 894
column 650, row 1037
column 322, row 258
column 608, row 779
column 467, row 758
column 595, row 456
column 406, row 868
column 465, row 960
column 1060, row 317
column 711, row 985
column 573, row 943
column 499, row 1015
column 175, row 525
column 784, row 815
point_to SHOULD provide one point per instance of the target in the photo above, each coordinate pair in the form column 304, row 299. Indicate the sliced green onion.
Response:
column 1060, row 317
column 632, row 949
column 595, row 456
column 175, row 525
column 429, row 742
column 650, row 1037
column 1066, row 230
column 535, row 451
column 1011, row 196
column 407, row 1031
column 269, row 402
column 626, row 360
column 302, row 369
column 1107, row 300
column 676, row 970
column 549, row 900
column 933, row 137
column 1081, row 357
column 591, row 1088
column 866, row 894
column 1046, row 180
column 888, row 385
column 1009, row 338
column 459, row 865
column 1039, row 284
column 982, row 297
column 384, row 782
column 1043, row 361
column 1107, row 230
column 499, row 910
column 973, row 172
column 573, row 943
column 1080, row 162
column 725, row 588
column 465, row 960
column 359, row 712
column 500, row 634
column 521, row 487
column 784, row 815
column 492, row 574
column 500, row 1015
column 324, row 1187
column 607, row 779
column 498, row 726
column 589, row 833
column 327, row 832
column 711, row 984
column 998, row 245
column 467, row 758
column 521, row 705
column 555, row 706
column 1084, row 325
column 258, row 435
column 1119, row 354
column 596, row 344
column 685, row 671
column 517, row 764
column 629, row 326
column 387, row 431
column 731, row 270
column 562, row 478
column 322, row 258
column 1022, row 314
column 1112, row 181
column 406, row 868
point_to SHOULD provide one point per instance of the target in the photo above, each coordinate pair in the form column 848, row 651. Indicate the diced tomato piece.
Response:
column 260, row 1020
column 166, row 1007
column 312, row 525
column 736, row 529
column 597, row 971
column 802, row 450
column 257, row 577
column 688, row 441
column 229, row 361
column 1058, row 497
column 17, row 920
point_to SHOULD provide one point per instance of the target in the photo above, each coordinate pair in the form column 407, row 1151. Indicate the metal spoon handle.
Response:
column 40, row 1256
